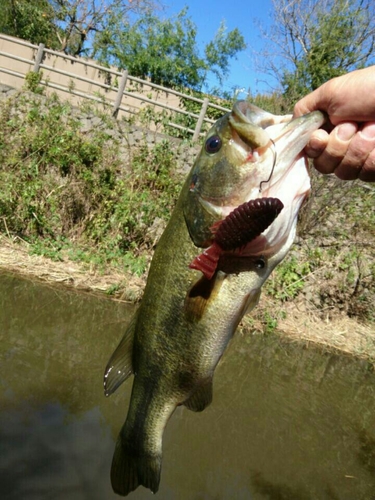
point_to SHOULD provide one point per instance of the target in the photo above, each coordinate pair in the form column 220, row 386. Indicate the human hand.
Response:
column 347, row 148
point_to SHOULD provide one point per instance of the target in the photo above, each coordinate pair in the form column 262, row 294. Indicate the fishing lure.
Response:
column 239, row 228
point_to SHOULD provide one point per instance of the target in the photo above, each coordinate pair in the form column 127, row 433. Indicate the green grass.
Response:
column 66, row 192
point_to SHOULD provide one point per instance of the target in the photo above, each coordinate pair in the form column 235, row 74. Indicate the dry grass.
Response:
column 341, row 333
column 298, row 321
column 15, row 257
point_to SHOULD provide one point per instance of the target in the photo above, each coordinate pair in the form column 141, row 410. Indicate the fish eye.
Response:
column 213, row 144
column 260, row 263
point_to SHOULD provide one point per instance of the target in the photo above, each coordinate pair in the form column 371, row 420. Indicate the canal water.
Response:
column 286, row 422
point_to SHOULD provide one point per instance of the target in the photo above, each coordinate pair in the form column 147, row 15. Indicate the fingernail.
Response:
column 368, row 130
column 345, row 131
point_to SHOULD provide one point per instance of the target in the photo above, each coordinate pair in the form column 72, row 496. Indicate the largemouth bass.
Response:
column 251, row 160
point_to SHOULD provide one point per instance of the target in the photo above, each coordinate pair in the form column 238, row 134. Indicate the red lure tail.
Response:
column 207, row 261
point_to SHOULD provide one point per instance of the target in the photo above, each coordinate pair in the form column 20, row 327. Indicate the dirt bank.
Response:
column 295, row 321
column 15, row 257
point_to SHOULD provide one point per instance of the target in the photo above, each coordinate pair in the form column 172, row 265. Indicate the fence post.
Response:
column 120, row 93
column 38, row 57
column 199, row 124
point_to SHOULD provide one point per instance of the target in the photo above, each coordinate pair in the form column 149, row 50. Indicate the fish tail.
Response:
column 129, row 471
column 207, row 261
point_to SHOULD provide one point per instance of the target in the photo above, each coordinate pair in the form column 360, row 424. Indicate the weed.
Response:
column 32, row 82
column 113, row 289
column 288, row 279
column 69, row 195
column 61, row 185
column 48, row 248
column 269, row 323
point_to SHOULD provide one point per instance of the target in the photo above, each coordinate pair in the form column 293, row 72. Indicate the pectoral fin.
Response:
column 252, row 301
column 199, row 296
column 119, row 366
column 201, row 398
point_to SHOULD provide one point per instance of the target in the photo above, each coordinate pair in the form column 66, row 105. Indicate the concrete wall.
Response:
column 76, row 89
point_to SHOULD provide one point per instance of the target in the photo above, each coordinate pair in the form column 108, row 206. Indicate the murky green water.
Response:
column 286, row 423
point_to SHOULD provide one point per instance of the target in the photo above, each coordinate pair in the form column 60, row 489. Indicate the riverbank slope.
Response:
column 84, row 200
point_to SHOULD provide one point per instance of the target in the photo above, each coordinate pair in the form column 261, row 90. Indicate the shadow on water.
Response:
column 286, row 423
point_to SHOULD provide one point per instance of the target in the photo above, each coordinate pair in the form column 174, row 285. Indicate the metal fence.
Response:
column 127, row 95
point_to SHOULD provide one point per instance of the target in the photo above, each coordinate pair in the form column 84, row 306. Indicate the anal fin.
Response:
column 201, row 398
column 120, row 366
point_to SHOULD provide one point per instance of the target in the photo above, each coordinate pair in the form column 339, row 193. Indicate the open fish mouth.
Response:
column 271, row 145
column 279, row 145
column 278, row 171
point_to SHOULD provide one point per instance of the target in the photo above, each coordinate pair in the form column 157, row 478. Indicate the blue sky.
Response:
column 241, row 14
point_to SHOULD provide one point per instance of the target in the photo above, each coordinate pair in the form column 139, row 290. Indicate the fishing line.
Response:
column 273, row 166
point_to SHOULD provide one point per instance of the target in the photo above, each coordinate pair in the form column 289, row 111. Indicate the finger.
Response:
column 361, row 145
column 317, row 144
column 311, row 102
column 338, row 143
column 367, row 172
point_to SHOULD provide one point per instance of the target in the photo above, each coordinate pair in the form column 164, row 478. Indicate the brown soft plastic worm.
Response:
column 240, row 227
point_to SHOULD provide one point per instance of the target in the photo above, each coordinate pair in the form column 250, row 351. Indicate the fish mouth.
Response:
column 291, row 138
column 274, row 145
column 251, row 123
column 280, row 141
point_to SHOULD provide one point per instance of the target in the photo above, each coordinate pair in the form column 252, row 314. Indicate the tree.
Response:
column 315, row 40
column 32, row 21
column 221, row 49
column 166, row 51
column 79, row 21
column 66, row 25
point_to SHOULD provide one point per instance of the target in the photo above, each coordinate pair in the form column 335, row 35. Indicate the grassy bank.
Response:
column 78, row 194
column 85, row 206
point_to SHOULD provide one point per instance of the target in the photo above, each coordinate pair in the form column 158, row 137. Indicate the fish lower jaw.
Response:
column 217, row 211
column 278, row 237
column 262, row 247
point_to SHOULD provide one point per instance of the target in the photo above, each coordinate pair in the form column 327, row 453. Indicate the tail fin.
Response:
column 129, row 471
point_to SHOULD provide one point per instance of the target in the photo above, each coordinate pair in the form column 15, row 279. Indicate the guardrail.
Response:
column 126, row 94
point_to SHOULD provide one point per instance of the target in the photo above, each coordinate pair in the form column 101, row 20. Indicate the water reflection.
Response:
column 286, row 422
column 48, row 453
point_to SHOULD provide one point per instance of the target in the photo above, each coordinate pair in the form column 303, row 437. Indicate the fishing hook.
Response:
column 273, row 166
